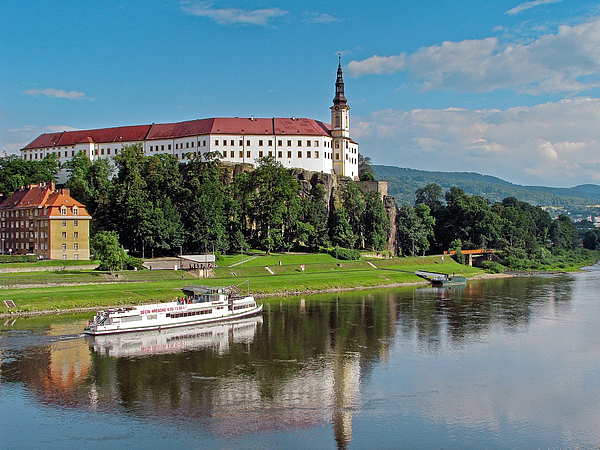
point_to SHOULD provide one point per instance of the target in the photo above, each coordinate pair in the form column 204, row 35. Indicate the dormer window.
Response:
column 63, row 211
column 75, row 211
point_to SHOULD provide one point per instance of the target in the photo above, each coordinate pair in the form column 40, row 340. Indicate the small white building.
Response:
column 294, row 142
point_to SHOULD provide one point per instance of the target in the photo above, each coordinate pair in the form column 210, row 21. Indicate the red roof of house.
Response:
column 218, row 125
column 41, row 196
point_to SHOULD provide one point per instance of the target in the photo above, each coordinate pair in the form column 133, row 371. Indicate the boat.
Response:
column 441, row 279
column 198, row 305
column 448, row 281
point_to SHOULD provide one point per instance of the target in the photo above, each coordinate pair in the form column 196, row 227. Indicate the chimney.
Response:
column 65, row 191
column 52, row 187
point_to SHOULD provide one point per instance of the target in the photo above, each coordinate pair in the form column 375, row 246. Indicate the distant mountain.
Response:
column 403, row 183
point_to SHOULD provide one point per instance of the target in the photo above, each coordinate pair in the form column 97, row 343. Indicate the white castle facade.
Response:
column 294, row 142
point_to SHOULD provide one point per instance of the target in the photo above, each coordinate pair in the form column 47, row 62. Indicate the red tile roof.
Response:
column 219, row 125
column 41, row 196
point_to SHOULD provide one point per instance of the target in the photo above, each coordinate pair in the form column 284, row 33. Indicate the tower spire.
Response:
column 340, row 98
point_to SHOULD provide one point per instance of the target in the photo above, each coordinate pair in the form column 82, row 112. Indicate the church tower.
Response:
column 340, row 127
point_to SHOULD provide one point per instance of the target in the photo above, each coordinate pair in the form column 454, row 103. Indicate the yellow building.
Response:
column 48, row 222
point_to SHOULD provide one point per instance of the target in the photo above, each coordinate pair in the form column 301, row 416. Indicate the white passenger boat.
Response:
column 198, row 305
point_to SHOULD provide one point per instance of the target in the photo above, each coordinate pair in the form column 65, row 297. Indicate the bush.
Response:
column 134, row 263
column 345, row 254
column 18, row 258
column 492, row 267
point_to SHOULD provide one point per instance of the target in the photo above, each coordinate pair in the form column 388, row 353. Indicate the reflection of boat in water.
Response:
column 199, row 305
column 217, row 335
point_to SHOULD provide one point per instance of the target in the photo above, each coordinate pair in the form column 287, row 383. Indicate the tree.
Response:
column 414, row 228
column 430, row 195
column 107, row 249
column 341, row 231
column 16, row 172
column 315, row 217
column 354, row 206
column 365, row 170
column 376, row 223
column 274, row 203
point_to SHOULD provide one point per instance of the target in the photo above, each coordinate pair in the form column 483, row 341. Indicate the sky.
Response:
column 498, row 87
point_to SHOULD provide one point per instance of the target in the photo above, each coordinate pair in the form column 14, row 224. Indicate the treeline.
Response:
column 160, row 206
column 524, row 235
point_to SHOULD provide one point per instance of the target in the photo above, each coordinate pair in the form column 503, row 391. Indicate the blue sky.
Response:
column 505, row 88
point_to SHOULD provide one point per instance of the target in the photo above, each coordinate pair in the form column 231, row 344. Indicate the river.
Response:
column 504, row 363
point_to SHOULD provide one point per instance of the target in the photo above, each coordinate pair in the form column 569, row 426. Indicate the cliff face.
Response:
column 332, row 184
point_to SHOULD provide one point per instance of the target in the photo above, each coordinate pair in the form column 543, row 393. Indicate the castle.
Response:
column 294, row 142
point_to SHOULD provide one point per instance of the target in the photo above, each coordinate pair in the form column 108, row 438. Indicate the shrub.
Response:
column 18, row 258
column 345, row 254
column 492, row 267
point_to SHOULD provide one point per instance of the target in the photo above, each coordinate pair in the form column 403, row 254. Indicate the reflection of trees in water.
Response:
column 463, row 312
column 303, row 366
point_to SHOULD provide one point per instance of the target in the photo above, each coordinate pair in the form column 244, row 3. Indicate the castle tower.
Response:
column 340, row 125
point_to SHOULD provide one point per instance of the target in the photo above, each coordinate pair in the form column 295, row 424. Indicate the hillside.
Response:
column 403, row 183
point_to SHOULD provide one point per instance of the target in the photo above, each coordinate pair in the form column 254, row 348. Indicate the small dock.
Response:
column 441, row 279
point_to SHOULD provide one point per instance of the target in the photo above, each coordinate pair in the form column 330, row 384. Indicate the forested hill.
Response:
column 404, row 182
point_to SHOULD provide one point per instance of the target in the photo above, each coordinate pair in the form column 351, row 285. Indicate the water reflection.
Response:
column 305, row 364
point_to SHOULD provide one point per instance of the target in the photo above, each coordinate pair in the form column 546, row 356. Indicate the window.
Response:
column 299, row 154
column 232, row 154
column 316, row 154
column 64, row 257
column 241, row 154
column 308, row 155
column 241, row 143
column 76, row 234
column 64, row 234
column 260, row 154
column 316, row 143
column 64, row 246
column 289, row 154
column 308, row 143
column 280, row 154
column 224, row 142
column 75, row 256
column 232, row 142
column 248, row 154
column 162, row 147
column 247, row 143
column 64, row 223
column 169, row 146
column 75, row 211
column 260, row 142
column 280, row 143
column 270, row 143
column 289, row 143
column 75, row 246
column 217, row 142
column 299, row 143
column 337, row 156
column 76, row 223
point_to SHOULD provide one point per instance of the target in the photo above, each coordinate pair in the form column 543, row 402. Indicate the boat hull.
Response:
column 186, row 323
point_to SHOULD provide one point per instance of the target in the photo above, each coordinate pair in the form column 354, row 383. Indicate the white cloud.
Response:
column 320, row 18
column 529, row 5
column 234, row 16
column 553, row 144
column 56, row 93
column 567, row 61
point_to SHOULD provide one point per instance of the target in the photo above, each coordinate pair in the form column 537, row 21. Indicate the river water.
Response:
column 505, row 363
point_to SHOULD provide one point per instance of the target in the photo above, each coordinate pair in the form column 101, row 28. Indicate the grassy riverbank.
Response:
column 66, row 290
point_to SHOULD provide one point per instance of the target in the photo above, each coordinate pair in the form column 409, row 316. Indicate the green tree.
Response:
column 414, row 227
column 274, row 203
column 354, row 206
column 365, row 169
column 16, row 172
column 107, row 249
column 341, row 231
column 206, row 205
column 376, row 223
column 315, row 216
